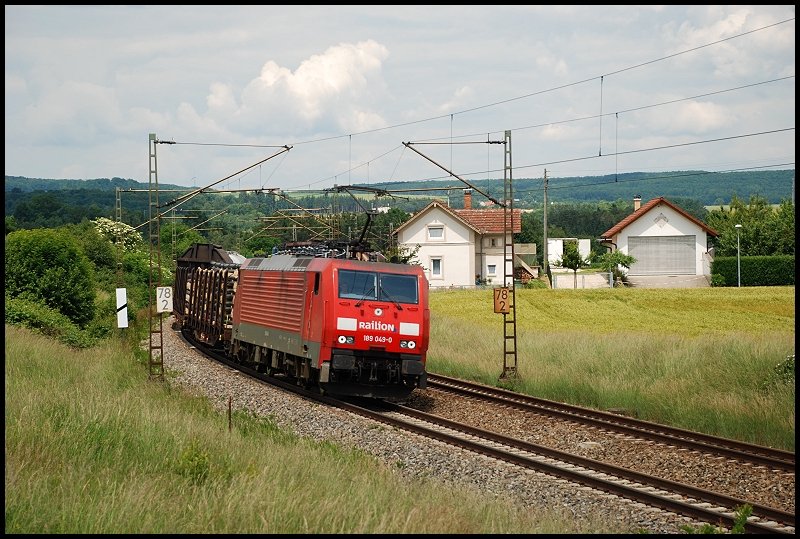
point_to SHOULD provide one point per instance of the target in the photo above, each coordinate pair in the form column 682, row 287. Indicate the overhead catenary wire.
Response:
column 554, row 88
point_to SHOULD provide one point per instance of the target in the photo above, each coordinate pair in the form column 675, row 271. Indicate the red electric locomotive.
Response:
column 352, row 327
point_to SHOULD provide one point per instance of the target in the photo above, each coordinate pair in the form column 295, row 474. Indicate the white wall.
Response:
column 662, row 220
column 555, row 249
column 489, row 255
column 456, row 250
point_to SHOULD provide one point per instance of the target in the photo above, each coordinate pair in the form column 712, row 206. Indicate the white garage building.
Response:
column 663, row 238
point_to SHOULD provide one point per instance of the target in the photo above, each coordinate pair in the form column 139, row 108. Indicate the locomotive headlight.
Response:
column 408, row 344
column 346, row 339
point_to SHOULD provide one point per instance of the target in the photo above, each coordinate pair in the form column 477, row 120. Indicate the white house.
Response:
column 663, row 238
column 458, row 246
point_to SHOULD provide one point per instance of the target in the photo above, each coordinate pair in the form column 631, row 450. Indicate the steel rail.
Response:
column 734, row 449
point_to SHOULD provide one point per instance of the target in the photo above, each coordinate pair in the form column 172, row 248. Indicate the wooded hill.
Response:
column 708, row 188
column 38, row 202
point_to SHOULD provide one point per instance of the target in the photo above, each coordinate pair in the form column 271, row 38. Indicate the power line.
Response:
column 591, row 117
column 591, row 157
column 561, row 87
column 595, row 116
column 532, row 94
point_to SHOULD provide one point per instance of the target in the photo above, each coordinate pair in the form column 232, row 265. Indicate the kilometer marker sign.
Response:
column 502, row 303
column 164, row 299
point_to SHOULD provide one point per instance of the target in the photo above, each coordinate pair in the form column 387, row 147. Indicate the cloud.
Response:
column 330, row 92
column 15, row 85
column 221, row 101
column 695, row 117
column 69, row 115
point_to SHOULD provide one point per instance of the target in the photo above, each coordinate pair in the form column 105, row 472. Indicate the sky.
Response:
column 312, row 97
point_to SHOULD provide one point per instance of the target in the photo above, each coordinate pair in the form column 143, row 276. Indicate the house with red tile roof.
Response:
column 459, row 245
column 663, row 238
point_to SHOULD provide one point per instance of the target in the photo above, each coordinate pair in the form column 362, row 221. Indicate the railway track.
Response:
column 701, row 504
column 687, row 500
column 756, row 455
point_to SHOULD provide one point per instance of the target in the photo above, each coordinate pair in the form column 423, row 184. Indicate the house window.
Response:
column 436, row 233
column 492, row 268
column 436, row 268
column 494, row 242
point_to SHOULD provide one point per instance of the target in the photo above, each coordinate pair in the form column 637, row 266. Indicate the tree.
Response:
column 259, row 245
column 98, row 249
column 613, row 261
column 572, row 259
column 176, row 238
column 118, row 233
column 404, row 255
column 11, row 224
column 50, row 267
column 765, row 231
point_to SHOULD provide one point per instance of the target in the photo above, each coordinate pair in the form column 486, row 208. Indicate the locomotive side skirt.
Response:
column 277, row 339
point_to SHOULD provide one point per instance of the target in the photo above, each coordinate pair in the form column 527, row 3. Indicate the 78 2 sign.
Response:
column 164, row 299
column 502, row 300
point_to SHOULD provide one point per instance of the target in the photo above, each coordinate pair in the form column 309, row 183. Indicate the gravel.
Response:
column 758, row 484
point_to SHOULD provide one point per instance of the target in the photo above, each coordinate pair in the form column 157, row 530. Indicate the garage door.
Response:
column 662, row 255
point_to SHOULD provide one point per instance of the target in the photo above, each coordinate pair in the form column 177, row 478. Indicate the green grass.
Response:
column 701, row 359
column 92, row 446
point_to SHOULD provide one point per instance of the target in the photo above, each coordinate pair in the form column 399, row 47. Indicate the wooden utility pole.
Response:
column 545, row 262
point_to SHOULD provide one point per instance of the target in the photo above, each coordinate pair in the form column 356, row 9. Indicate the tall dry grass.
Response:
column 700, row 359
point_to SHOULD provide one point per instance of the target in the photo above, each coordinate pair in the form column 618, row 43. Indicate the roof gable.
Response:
column 430, row 207
column 619, row 227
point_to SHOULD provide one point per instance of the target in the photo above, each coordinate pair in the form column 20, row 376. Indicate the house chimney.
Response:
column 637, row 202
column 467, row 199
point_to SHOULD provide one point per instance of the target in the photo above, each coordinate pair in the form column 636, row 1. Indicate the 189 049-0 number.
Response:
column 377, row 338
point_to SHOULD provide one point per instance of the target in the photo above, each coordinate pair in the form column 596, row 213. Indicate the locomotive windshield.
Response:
column 370, row 285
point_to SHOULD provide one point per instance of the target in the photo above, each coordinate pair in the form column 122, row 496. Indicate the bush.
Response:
column 777, row 270
column 782, row 374
column 535, row 283
column 717, row 279
column 45, row 320
column 136, row 266
column 99, row 250
column 50, row 266
column 118, row 233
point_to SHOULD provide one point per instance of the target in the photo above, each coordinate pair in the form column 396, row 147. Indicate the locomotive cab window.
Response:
column 398, row 288
column 358, row 284
column 367, row 285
